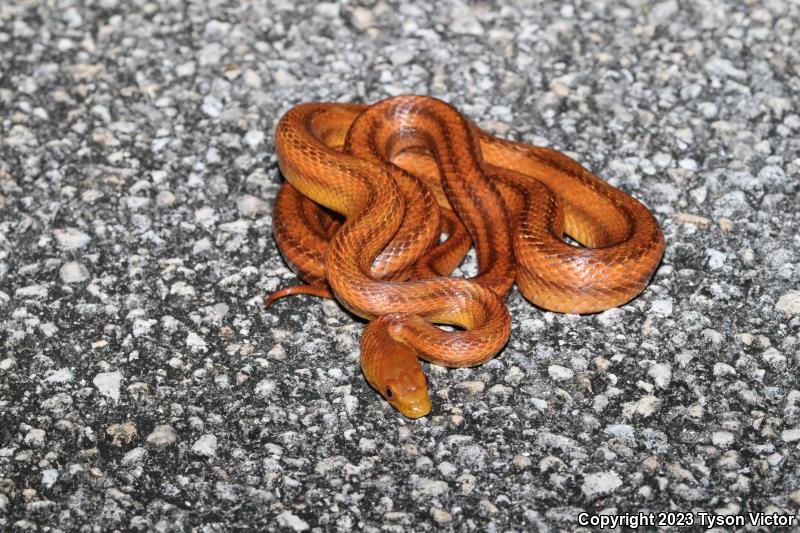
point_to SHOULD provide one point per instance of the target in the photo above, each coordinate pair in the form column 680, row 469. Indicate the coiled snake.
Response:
column 402, row 171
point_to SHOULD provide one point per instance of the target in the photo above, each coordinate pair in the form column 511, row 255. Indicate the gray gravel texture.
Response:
column 144, row 387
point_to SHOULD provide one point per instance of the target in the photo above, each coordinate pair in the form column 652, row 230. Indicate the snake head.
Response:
column 407, row 391
column 393, row 369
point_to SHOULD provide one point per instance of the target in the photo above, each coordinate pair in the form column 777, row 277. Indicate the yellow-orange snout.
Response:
column 394, row 370
column 408, row 392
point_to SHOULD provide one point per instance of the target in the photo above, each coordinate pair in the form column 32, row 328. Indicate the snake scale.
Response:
column 371, row 188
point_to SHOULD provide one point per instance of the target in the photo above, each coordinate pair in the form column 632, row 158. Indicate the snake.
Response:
column 371, row 188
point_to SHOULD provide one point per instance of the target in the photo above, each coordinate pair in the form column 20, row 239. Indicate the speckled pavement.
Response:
column 143, row 386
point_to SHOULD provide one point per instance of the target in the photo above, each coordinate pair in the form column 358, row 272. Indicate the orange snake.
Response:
column 394, row 170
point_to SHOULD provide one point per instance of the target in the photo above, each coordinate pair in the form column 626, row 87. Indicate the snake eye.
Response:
column 389, row 393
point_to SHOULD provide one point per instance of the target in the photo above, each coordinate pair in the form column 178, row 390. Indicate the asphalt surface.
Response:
column 144, row 387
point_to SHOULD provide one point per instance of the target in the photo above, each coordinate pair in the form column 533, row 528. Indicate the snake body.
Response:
column 393, row 171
